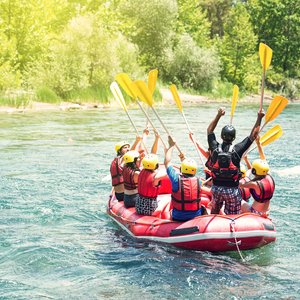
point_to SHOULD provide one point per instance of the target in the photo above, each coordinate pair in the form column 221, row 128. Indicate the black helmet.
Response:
column 228, row 133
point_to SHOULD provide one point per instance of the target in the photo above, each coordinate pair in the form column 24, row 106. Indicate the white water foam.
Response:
column 292, row 171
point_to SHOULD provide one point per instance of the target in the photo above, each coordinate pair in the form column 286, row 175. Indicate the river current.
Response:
column 57, row 241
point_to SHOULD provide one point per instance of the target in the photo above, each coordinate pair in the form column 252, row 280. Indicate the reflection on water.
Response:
column 58, row 242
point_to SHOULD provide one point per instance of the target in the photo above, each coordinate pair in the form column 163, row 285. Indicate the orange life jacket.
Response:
column 188, row 195
column 128, row 176
column 145, row 184
column 116, row 171
column 245, row 192
column 267, row 187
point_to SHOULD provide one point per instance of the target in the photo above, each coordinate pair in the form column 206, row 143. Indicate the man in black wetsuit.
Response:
column 225, row 164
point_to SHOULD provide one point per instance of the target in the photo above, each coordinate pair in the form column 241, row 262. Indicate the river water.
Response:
column 57, row 242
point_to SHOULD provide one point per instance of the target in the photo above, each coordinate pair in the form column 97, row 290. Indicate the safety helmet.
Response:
column 150, row 161
column 243, row 170
column 189, row 166
column 260, row 167
column 228, row 133
column 119, row 145
column 130, row 156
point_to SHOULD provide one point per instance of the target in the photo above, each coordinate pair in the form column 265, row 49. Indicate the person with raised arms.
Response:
column 131, row 171
column 186, row 187
column 116, row 167
column 149, row 181
column 225, row 164
column 261, row 187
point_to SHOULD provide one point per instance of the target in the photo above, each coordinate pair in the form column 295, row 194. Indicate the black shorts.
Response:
column 120, row 196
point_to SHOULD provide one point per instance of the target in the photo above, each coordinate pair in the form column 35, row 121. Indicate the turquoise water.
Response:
column 57, row 241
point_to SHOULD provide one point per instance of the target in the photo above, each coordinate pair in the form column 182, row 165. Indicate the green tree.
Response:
column 238, row 49
column 193, row 21
column 217, row 12
column 150, row 25
column 277, row 22
column 191, row 66
column 28, row 24
column 85, row 55
column 10, row 77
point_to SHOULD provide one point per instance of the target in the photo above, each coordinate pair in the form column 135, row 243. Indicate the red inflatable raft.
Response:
column 206, row 233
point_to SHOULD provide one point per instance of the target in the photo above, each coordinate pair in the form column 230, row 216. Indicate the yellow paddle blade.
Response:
column 127, row 84
column 271, row 135
column 143, row 92
column 276, row 106
column 265, row 55
column 152, row 78
column 176, row 96
column 118, row 95
column 234, row 99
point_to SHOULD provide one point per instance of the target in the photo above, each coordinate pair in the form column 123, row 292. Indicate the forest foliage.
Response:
column 57, row 50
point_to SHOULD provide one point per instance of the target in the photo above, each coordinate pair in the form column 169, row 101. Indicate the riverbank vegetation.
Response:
column 70, row 50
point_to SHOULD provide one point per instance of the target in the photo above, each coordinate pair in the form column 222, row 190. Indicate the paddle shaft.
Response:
column 149, row 120
column 147, row 123
column 246, row 153
column 187, row 124
column 163, row 125
column 262, row 127
column 262, row 90
column 190, row 131
column 137, row 132
column 207, row 180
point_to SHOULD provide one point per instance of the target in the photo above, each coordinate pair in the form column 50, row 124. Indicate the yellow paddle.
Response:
column 276, row 106
column 120, row 99
column 234, row 101
column 265, row 55
column 270, row 136
column 179, row 105
column 145, row 95
column 152, row 78
column 129, row 87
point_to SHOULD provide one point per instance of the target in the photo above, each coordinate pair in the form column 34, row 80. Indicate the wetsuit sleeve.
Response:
column 212, row 142
column 174, row 177
column 241, row 147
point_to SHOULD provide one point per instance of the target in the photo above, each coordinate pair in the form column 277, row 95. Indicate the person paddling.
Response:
column 186, row 187
column 261, row 187
column 225, row 164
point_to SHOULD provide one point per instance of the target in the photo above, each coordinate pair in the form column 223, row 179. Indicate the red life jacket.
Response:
column 145, row 184
column 188, row 195
column 267, row 187
column 223, row 168
column 245, row 192
column 128, row 176
column 116, row 171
